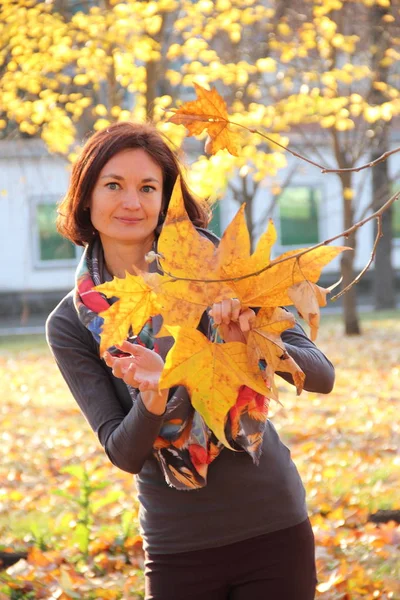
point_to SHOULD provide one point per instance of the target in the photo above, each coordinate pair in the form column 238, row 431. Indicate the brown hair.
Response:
column 73, row 220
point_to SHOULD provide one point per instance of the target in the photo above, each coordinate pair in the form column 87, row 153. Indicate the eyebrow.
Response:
column 120, row 178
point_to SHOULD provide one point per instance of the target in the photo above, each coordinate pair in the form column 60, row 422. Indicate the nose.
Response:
column 131, row 200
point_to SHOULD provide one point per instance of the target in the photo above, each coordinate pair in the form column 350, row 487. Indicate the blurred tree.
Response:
column 69, row 67
column 342, row 79
column 384, row 281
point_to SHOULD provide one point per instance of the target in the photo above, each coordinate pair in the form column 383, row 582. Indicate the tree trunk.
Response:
column 383, row 282
column 351, row 321
column 154, row 75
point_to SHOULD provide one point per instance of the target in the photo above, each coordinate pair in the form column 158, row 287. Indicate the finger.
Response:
column 226, row 311
column 126, row 361
column 108, row 359
column 128, row 347
column 245, row 319
column 236, row 306
column 130, row 376
column 117, row 370
column 215, row 312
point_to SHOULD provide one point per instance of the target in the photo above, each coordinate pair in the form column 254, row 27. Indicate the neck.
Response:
column 121, row 257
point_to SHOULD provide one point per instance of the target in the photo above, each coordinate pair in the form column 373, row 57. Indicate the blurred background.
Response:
column 321, row 77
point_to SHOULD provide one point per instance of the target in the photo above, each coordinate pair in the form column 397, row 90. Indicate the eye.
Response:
column 113, row 185
column 148, row 188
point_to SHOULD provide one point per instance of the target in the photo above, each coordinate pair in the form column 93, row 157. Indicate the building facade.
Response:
column 38, row 265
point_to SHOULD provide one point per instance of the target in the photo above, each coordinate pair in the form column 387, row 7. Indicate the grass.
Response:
column 345, row 446
column 23, row 343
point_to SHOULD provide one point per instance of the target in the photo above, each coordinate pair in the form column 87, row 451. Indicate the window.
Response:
column 50, row 248
column 299, row 209
column 215, row 223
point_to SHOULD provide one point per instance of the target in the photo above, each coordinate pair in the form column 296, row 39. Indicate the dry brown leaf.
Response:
column 308, row 297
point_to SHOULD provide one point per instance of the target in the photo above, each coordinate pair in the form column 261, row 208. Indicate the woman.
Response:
column 232, row 529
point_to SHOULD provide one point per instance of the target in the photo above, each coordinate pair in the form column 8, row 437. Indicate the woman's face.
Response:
column 126, row 199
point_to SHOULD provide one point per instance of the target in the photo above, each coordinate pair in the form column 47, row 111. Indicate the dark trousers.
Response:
column 276, row 566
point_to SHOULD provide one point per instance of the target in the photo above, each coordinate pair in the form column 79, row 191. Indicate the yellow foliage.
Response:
column 101, row 124
column 137, row 302
column 329, row 121
column 372, row 113
column 81, row 79
column 284, row 29
column 344, row 124
column 264, row 342
column 100, row 110
column 266, row 65
column 348, row 193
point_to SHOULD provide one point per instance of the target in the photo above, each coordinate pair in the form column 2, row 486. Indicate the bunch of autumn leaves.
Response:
column 194, row 275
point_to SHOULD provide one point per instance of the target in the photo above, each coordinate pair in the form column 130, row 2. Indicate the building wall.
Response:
column 29, row 175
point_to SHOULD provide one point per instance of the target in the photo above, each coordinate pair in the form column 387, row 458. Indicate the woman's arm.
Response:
column 126, row 432
column 319, row 371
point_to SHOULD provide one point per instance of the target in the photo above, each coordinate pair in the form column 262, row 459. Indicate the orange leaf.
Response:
column 208, row 113
column 269, row 289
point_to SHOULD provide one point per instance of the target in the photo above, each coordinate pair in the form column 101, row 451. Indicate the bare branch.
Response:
column 379, row 234
column 311, row 162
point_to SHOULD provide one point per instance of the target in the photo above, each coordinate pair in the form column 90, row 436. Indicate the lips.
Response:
column 128, row 220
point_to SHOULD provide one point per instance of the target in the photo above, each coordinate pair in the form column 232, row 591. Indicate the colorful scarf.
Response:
column 185, row 445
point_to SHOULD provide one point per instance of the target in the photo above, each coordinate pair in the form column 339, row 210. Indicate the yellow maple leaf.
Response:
column 269, row 288
column 234, row 256
column 212, row 374
column 189, row 255
column 265, row 342
column 179, row 241
column 136, row 303
column 208, row 113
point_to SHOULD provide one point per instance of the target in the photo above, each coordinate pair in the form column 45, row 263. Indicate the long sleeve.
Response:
column 319, row 371
column 126, row 431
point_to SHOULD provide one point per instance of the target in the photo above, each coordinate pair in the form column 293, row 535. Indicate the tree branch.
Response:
column 375, row 215
column 315, row 164
column 379, row 234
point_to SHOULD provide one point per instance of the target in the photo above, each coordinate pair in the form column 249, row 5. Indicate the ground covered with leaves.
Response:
column 76, row 515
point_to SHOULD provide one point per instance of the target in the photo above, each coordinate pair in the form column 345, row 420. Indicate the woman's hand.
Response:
column 142, row 370
column 234, row 323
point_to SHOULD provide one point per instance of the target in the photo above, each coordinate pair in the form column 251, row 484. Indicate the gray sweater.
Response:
column 240, row 500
